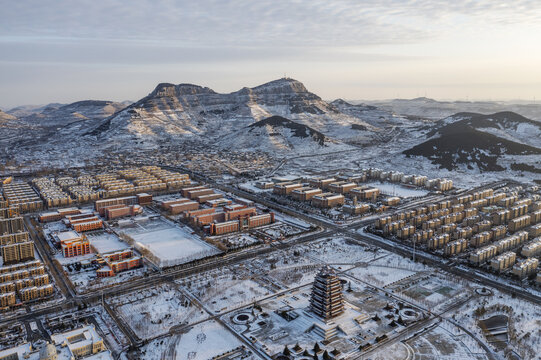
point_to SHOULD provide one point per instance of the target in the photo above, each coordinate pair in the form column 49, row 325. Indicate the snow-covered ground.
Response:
column 223, row 290
column 339, row 250
column 202, row 342
column 525, row 321
column 154, row 311
column 398, row 190
column 380, row 275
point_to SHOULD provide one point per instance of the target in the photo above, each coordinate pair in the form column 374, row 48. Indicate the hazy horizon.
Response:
column 60, row 51
column 509, row 101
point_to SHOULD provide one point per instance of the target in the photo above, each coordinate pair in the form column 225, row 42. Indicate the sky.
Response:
column 69, row 50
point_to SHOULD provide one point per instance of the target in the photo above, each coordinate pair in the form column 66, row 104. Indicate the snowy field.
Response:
column 237, row 240
column 291, row 220
column 443, row 342
column 339, row 251
column 295, row 275
column 222, row 290
column 154, row 311
column 524, row 324
column 387, row 270
column 379, row 275
column 167, row 244
column 202, row 342
column 226, row 295
column 398, row 190
column 281, row 230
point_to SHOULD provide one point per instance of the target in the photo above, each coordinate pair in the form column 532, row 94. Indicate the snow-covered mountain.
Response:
column 488, row 142
column 280, row 135
column 54, row 116
column 25, row 110
column 187, row 110
column 426, row 108
column 5, row 117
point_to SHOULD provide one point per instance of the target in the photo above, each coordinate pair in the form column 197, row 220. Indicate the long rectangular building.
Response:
column 305, row 193
column 328, row 200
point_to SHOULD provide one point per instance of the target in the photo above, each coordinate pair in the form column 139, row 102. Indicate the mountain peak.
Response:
column 168, row 89
column 341, row 102
column 284, row 85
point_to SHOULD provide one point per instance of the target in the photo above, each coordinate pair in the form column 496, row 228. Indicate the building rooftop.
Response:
column 68, row 235
column 86, row 334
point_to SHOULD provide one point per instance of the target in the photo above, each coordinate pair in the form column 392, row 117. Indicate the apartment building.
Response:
column 35, row 292
column 11, row 225
column 17, row 252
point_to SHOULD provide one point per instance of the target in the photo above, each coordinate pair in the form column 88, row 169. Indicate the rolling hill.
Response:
column 482, row 141
column 277, row 134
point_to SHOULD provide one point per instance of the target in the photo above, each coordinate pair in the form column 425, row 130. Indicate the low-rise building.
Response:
column 342, row 187
column 73, row 244
column 35, row 292
column 356, row 209
column 365, row 193
column 118, row 211
column 7, row 299
column 328, row 200
column 305, row 193
column 182, row 207
column 80, row 342
column 391, row 201
column 532, row 249
column 286, row 188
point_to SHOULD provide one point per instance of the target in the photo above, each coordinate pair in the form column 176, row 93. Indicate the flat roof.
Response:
column 19, row 350
column 68, row 235
column 89, row 333
column 107, row 243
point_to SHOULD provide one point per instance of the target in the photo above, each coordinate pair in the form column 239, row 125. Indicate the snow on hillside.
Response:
column 77, row 111
column 280, row 135
column 433, row 109
column 190, row 110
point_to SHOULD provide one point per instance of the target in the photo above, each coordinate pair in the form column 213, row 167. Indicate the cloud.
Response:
column 79, row 46
column 248, row 23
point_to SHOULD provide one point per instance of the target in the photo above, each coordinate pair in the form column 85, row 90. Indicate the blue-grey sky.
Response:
column 69, row 50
